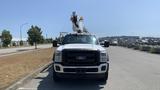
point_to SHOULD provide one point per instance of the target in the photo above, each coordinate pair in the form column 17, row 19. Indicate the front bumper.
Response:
column 101, row 69
column 81, row 76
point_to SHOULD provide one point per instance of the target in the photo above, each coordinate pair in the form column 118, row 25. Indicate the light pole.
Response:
column 21, row 30
column 21, row 26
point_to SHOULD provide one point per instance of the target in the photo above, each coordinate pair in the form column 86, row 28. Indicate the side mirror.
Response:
column 60, row 43
column 101, row 43
column 54, row 43
column 106, row 43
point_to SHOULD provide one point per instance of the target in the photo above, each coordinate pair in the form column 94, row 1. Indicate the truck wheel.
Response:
column 55, row 77
column 105, row 78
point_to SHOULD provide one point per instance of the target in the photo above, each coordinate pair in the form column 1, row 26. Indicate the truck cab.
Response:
column 80, row 55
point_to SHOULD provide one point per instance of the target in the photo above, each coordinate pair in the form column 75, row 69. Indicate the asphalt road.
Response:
column 10, row 51
column 129, row 70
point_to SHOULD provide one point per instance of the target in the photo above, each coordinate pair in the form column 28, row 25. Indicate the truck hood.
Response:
column 81, row 47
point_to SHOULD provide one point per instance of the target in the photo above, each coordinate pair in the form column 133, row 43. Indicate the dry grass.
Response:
column 14, row 67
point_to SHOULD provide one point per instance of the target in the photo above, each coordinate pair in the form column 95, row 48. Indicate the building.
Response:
column 16, row 42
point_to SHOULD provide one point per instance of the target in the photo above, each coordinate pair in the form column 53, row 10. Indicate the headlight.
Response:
column 58, row 56
column 103, row 57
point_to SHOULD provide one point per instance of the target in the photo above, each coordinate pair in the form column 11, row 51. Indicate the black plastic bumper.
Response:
column 80, row 75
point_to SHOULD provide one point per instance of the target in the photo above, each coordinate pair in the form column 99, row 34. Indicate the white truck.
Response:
column 81, row 55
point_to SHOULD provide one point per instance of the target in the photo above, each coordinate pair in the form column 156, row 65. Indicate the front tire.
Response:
column 105, row 78
column 55, row 77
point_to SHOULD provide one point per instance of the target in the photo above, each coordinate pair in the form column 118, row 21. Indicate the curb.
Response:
column 28, row 78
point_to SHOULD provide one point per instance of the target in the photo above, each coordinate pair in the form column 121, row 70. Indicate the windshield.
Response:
column 81, row 39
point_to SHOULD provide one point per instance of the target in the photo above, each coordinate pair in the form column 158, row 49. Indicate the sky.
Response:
column 101, row 17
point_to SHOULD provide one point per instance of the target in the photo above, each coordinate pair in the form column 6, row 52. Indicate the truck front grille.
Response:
column 80, row 57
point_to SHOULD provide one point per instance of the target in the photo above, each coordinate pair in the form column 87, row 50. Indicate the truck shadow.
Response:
column 47, row 83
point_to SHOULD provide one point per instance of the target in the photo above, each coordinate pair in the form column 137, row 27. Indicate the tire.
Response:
column 55, row 77
column 105, row 78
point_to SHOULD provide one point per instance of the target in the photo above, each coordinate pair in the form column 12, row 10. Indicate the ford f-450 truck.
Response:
column 80, row 55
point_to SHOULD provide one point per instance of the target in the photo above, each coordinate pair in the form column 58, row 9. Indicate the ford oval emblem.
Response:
column 81, row 57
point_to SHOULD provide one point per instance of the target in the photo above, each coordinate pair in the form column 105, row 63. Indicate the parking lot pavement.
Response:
column 129, row 70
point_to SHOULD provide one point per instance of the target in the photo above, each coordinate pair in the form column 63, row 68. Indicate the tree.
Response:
column 48, row 40
column 35, row 36
column 6, row 38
